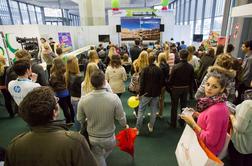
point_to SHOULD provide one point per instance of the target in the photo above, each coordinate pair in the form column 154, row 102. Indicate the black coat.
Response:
column 182, row 74
column 74, row 84
column 151, row 81
column 135, row 52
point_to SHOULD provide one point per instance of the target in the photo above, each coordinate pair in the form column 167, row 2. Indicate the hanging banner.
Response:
column 65, row 41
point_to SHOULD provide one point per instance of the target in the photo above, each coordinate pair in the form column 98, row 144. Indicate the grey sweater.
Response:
column 101, row 108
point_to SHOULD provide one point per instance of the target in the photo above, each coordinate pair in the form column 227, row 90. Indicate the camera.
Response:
column 29, row 44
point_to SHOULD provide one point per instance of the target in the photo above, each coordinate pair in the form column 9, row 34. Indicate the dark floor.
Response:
column 155, row 149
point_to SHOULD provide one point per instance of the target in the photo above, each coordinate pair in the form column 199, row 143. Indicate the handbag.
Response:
column 192, row 151
column 134, row 85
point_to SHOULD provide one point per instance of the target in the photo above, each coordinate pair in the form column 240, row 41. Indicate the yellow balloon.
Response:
column 133, row 102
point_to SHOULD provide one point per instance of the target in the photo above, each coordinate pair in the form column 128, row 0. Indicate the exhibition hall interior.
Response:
column 125, row 82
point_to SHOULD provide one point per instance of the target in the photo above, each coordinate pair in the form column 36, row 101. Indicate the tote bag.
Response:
column 192, row 152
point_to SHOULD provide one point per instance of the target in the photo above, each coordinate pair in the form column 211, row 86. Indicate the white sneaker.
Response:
column 150, row 128
column 134, row 113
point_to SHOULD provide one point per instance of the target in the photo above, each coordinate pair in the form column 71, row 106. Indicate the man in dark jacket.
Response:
column 181, row 77
column 151, row 82
column 135, row 50
column 49, row 143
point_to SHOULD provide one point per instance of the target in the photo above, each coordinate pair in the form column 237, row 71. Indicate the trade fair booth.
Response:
column 147, row 24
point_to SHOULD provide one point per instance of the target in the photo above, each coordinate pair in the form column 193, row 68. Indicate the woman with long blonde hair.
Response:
column 73, row 82
column 167, row 51
column 86, row 85
column 170, row 56
column 112, row 51
column 93, row 57
column 72, row 68
column 141, row 62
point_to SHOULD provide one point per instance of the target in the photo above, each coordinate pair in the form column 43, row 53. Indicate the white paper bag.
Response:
column 190, row 153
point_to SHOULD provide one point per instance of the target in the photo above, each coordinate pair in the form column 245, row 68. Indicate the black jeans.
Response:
column 178, row 94
column 238, row 159
column 67, row 107
column 8, row 100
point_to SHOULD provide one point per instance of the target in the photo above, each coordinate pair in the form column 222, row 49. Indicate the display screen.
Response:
column 197, row 37
column 141, row 27
column 104, row 38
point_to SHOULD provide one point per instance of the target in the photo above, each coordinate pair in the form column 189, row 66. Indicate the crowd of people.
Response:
column 88, row 92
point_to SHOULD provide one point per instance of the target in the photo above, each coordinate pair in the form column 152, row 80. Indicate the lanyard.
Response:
column 24, row 79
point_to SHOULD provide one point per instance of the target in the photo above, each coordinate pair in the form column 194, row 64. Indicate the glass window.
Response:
column 178, row 11
column 182, row 11
column 219, row 7
column 4, row 13
column 192, row 9
column 217, row 24
column 65, row 13
column 208, row 8
column 199, row 9
column 186, row 10
column 15, row 12
column 39, row 15
column 32, row 14
column 70, row 20
column 191, row 33
column 206, row 27
column 54, row 23
column 23, row 9
column 78, row 20
column 197, row 27
column 52, row 12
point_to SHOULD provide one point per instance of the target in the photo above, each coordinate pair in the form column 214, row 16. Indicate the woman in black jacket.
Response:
column 58, row 83
column 164, row 66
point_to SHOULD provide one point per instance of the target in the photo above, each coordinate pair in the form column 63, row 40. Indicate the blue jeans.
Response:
column 101, row 148
column 144, row 101
column 75, row 102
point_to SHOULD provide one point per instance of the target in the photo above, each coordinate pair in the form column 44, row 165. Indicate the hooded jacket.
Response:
column 230, row 74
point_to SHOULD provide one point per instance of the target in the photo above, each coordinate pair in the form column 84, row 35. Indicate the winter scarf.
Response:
column 205, row 102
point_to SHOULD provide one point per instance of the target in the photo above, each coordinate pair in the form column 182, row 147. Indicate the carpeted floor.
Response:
column 151, row 149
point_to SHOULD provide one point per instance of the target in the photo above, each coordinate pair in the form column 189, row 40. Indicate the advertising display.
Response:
column 143, row 28
column 65, row 40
